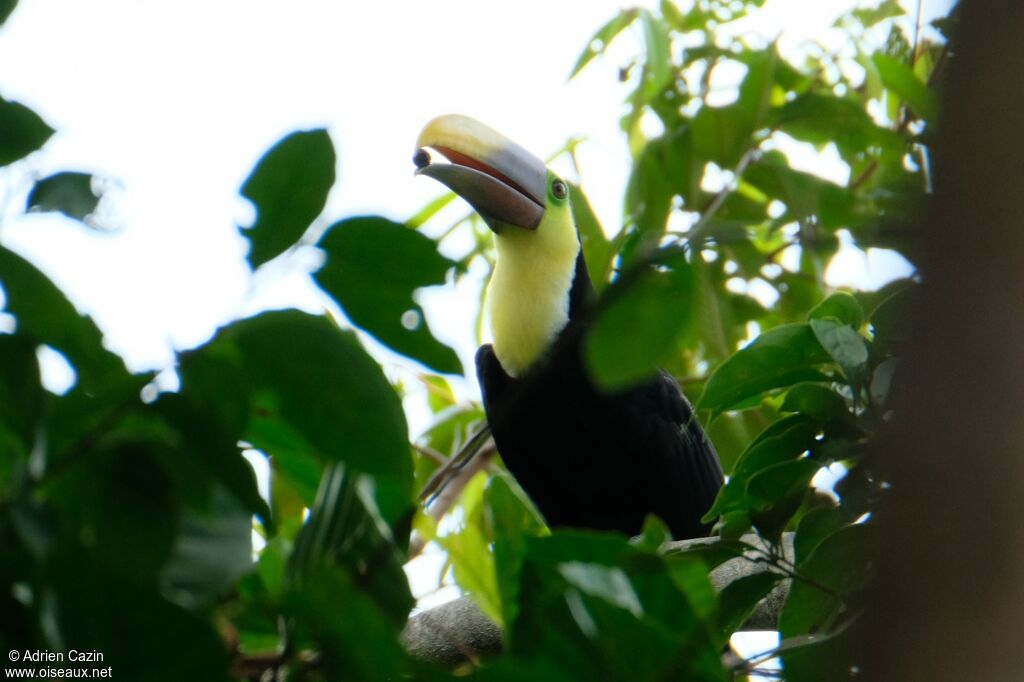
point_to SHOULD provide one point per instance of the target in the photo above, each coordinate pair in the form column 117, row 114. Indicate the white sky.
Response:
column 175, row 101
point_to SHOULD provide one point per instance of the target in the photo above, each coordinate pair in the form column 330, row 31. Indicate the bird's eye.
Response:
column 559, row 190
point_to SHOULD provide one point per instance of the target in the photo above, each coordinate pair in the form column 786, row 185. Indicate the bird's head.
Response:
column 528, row 208
column 508, row 186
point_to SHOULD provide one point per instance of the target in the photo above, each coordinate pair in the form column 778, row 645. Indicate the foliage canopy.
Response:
column 126, row 510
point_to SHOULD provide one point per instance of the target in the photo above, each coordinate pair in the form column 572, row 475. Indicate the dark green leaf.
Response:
column 901, row 79
column 346, row 532
column 130, row 623
column 890, row 321
column 317, row 384
column 782, row 442
column 374, row 266
column 776, row 493
column 780, row 357
column 289, row 188
column 68, row 193
column 820, row 402
column 840, row 306
column 513, row 520
column 820, row 119
column 816, row 525
column 45, row 314
column 756, row 88
column 838, row 566
column 212, row 550
column 21, row 394
column 848, row 348
column 21, row 130
column 739, row 599
column 639, row 326
column 6, row 7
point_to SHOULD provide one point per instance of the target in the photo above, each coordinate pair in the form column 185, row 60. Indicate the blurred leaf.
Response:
column 100, row 609
column 345, row 532
column 289, row 188
column 336, row 399
column 21, row 394
column 900, row 78
column 658, row 64
column 780, row 357
column 639, row 326
column 840, row 306
column 837, row 564
column 819, row 119
column 882, row 381
column 890, row 321
column 21, row 130
column 68, row 193
column 46, row 315
column 6, row 7
column 603, row 37
column 869, row 16
column 513, row 519
column 756, row 88
column 430, row 210
column 848, row 348
column 666, row 166
column 374, row 266
column 722, row 134
column 213, row 549
column 598, row 252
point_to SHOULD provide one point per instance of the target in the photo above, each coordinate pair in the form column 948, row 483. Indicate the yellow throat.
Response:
column 528, row 296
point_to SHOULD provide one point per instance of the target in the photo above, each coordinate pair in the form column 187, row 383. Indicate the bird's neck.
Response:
column 529, row 292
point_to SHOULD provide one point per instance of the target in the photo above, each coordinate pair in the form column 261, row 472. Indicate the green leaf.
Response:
column 848, row 348
column 47, row 316
column 289, row 188
column 722, row 134
column 820, row 402
column 839, row 564
column 598, row 252
column 638, row 328
column 756, row 89
column 513, row 519
column 869, row 16
column 213, row 549
column 840, row 306
column 6, row 7
column 777, row 492
column 21, row 394
column 890, row 321
column 901, row 80
column 126, row 619
column 603, row 37
column 658, row 63
column 784, row 441
column 819, row 119
column 374, row 266
column 346, row 533
column 68, row 193
column 21, row 130
column 315, row 381
column 816, row 525
column 740, row 598
column 780, row 357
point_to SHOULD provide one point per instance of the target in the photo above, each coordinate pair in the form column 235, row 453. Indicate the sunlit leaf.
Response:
column 901, row 79
column 848, row 348
column 603, row 37
column 840, row 306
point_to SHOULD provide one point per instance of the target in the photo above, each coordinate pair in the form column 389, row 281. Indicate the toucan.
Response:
column 587, row 458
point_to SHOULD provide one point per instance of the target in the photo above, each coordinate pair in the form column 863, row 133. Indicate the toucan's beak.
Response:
column 503, row 182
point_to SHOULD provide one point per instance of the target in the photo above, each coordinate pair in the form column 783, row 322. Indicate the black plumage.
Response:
column 590, row 459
